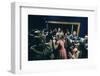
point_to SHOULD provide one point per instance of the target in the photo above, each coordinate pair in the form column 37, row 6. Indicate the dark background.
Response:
column 40, row 22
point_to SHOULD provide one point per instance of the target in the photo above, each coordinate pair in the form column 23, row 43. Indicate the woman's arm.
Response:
column 77, row 54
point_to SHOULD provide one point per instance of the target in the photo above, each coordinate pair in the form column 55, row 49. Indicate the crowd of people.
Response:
column 56, row 44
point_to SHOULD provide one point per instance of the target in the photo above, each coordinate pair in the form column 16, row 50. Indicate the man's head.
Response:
column 74, row 33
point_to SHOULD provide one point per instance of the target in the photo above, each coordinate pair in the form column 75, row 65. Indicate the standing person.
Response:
column 61, row 48
column 54, row 32
column 59, row 33
column 49, row 36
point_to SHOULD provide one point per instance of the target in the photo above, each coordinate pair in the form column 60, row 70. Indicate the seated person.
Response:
column 74, row 54
column 72, row 37
column 86, row 42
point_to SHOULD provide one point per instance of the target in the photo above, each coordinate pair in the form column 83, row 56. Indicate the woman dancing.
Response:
column 61, row 48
